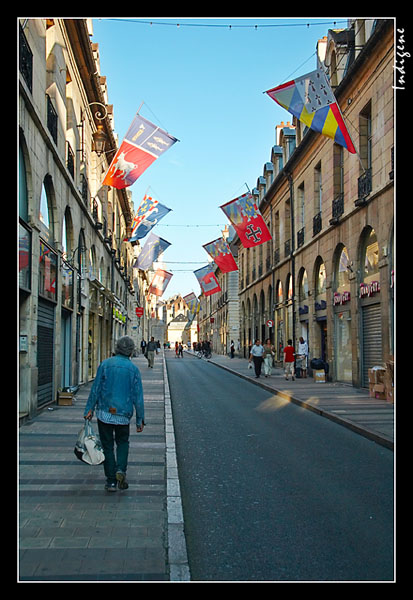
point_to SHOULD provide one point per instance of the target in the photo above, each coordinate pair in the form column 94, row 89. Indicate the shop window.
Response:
column 342, row 272
column 46, row 214
column 303, row 286
column 289, row 287
column 320, row 279
column 47, row 272
column 67, row 285
column 24, row 257
column 370, row 258
column 23, row 202
column 279, row 295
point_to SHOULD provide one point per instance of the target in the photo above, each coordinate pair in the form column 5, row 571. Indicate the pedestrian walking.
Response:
column 116, row 392
column 232, row 349
column 150, row 352
column 289, row 357
column 302, row 356
column 143, row 346
column 268, row 357
column 180, row 350
column 256, row 355
column 176, row 350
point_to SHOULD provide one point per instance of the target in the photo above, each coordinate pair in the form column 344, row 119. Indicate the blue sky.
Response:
column 204, row 85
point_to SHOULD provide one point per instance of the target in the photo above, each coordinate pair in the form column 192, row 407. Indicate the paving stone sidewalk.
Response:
column 70, row 528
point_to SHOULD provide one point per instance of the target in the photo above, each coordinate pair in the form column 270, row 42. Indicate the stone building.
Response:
column 76, row 289
column 328, row 272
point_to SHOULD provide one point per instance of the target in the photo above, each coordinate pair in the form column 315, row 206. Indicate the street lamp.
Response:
column 99, row 136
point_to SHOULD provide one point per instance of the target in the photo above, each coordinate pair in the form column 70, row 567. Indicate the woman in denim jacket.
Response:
column 116, row 392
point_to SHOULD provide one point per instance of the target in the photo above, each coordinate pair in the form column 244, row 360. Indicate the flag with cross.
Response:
column 247, row 220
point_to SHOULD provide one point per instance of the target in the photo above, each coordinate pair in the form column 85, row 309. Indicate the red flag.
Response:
column 247, row 220
column 207, row 280
column 220, row 251
column 159, row 282
column 144, row 142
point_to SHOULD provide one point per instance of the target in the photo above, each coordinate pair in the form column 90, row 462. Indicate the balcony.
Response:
column 364, row 187
column 25, row 60
column 338, row 208
column 51, row 119
column 317, row 223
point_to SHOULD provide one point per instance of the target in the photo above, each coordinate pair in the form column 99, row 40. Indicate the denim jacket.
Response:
column 117, row 389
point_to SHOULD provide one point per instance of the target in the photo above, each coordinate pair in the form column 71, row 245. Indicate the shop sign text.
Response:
column 368, row 289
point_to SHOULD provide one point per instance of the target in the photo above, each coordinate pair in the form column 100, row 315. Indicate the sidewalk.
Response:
column 344, row 404
column 71, row 529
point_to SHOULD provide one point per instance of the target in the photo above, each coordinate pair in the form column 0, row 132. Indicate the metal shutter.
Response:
column 45, row 351
column 372, row 343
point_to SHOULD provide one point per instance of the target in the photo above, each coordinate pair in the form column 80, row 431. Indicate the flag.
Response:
column 154, row 246
column 311, row 99
column 149, row 213
column 143, row 143
column 220, row 251
column 159, row 282
column 192, row 301
column 207, row 280
column 247, row 220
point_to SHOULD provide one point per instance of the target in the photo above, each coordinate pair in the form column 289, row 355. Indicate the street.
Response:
column 273, row 492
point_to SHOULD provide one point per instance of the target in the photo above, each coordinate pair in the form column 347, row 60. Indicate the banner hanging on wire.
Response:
column 154, row 246
column 311, row 99
column 207, row 280
column 247, row 220
column 143, row 143
column 220, row 251
column 149, row 213
column 159, row 282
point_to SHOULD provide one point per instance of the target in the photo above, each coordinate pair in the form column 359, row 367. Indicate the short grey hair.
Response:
column 125, row 345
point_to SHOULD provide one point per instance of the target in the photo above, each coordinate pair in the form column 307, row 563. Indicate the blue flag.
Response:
column 154, row 246
column 147, row 216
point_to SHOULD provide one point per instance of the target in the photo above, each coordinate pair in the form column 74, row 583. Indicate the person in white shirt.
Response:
column 302, row 355
column 256, row 355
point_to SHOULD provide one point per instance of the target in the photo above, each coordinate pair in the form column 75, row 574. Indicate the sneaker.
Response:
column 110, row 487
column 121, row 479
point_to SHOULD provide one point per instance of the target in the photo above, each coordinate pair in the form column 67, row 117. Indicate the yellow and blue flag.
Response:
column 311, row 99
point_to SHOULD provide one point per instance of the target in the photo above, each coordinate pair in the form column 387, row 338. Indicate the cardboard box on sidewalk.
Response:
column 376, row 374
column 319, row 375
column 64, row 398
column 377, row 390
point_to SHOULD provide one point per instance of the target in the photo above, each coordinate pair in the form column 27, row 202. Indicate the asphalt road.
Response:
column 273, row 492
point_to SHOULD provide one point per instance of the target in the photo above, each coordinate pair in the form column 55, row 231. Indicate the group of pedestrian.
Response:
column 264, row 355
column 179, row 350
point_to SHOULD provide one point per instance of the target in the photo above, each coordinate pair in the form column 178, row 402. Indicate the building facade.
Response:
column 328, row 272
column 76, row 285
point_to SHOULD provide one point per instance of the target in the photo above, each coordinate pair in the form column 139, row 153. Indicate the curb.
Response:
column 176, row 543
column 364, row 431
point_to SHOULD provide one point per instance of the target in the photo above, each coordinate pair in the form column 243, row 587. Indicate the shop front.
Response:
column 370, row 305
column 46, row 324
column 342, row 317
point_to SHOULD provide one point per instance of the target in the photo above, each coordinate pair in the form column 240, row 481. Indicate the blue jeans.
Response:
column 108, row 435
